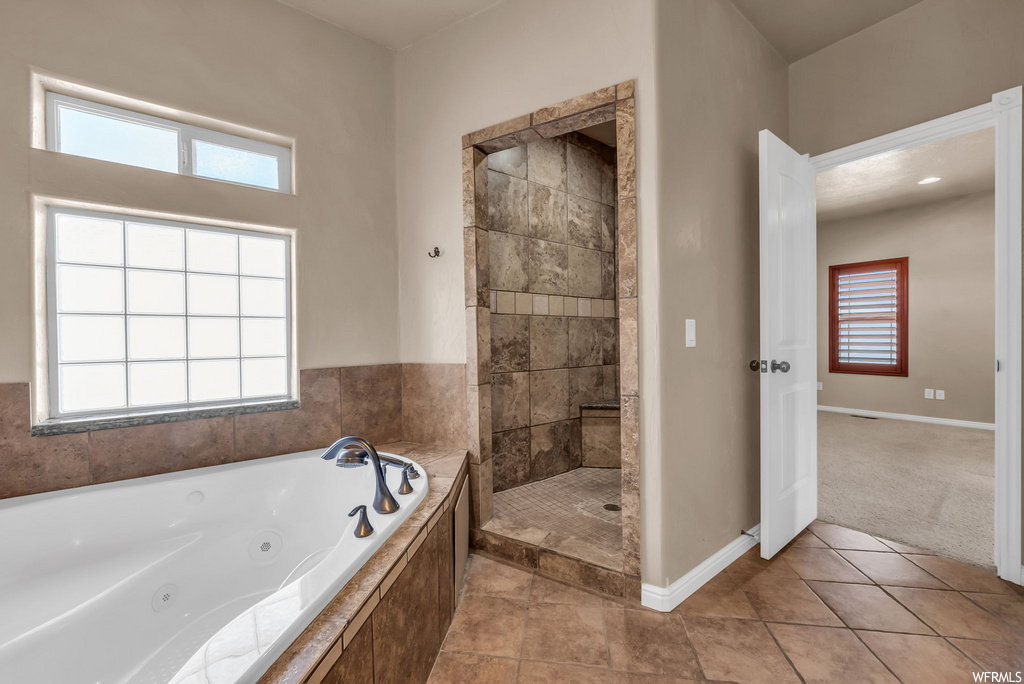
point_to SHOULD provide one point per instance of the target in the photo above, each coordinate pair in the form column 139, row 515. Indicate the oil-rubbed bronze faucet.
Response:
column 363, row 526
column 383, row 501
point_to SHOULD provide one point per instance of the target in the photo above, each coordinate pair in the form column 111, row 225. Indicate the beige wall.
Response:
column 936, row 58
column 951, row 336
column 719, row 83
column 509, row 60
column 513, row 58
column 331, row 91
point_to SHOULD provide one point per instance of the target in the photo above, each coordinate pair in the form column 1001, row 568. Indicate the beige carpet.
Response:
column 930, row 486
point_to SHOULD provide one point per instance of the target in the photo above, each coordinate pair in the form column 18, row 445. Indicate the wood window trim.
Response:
column 901, row 368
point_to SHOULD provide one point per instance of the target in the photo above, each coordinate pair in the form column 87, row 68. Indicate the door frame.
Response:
column 1004, row 114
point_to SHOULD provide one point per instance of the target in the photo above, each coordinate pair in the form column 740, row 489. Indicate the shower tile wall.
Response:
column 554, row 337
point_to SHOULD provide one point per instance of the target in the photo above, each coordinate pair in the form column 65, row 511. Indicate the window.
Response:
column 868, row 318
column 89, row 129
column 148, row 314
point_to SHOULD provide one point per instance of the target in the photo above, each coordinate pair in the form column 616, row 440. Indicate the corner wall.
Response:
column 719, row 83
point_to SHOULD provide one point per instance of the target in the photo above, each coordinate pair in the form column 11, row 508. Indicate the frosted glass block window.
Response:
column 90, row 129
column 147, row 314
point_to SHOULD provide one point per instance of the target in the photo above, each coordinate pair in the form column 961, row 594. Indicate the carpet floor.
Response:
column 929, row 486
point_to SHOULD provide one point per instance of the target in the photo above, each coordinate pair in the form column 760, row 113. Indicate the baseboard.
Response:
column 907, row 416
column 667, row 598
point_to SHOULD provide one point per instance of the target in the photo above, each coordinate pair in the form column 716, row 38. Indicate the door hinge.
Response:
column 999, row 365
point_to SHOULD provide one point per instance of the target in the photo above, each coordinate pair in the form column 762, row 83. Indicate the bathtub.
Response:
column 199, row 577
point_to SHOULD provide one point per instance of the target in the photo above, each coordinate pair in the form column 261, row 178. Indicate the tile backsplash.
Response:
column 554, row 328
column 383, row 403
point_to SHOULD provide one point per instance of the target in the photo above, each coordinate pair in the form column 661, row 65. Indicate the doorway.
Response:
column 789, row 461
column 906, row 346
column 551, row 291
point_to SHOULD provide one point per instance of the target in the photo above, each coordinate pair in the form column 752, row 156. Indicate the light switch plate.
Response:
column 940, row 395
column 691, row 332
column 929, row 394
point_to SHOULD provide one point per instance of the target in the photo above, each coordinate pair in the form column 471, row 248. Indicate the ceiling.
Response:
column 392, row 23
column 602, row 132
column 965, row 163
column 797, row 28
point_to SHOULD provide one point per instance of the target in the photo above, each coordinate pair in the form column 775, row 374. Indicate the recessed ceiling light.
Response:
column 928, row 181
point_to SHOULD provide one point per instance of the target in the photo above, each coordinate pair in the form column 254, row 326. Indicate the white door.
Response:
column 789, row 428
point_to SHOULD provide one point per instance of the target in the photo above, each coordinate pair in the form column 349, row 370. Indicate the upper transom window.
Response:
column 89, row 129
column 147, row 314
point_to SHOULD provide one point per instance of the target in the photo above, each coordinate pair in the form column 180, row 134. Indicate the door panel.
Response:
column 789, row 457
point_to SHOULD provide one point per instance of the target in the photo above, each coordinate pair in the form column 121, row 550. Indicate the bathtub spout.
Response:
column 383, row 501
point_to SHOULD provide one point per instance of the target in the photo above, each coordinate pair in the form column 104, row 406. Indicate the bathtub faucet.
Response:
column 348, row 457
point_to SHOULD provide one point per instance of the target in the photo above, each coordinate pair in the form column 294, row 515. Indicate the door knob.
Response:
column 780, row 366
column 755, row 365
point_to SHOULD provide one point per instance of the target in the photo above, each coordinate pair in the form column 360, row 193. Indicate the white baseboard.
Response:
column 907, row 416
column 667, row 598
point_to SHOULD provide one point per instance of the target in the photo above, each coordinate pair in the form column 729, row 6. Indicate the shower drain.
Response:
column 165, row 597
column 264, row 547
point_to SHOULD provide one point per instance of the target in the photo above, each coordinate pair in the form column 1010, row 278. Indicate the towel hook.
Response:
column 436, row 253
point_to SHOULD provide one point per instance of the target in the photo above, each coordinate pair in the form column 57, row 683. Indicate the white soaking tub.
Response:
column 199, row 577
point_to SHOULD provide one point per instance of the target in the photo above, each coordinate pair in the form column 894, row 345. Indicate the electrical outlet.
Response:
column 929, row 394
column 940, row 395
column 819, row 386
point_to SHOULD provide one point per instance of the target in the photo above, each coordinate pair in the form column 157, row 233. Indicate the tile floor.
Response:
column 834, row 606
column 570, row 509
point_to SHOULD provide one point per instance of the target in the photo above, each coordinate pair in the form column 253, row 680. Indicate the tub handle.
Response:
column 406, row 486
column 363, row 527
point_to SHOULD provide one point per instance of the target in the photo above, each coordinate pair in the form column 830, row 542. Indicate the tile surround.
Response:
column 523, row 148
column 370, row 401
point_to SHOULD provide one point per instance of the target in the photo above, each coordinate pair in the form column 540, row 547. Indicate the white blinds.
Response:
column 867, row 316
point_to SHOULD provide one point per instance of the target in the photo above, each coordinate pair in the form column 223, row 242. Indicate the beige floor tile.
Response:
column 751, row 564
column 486, row 625
column 920, row 659
column 533, row 672
column 641, row 678
column 461, row 668
column 823, row 564
column 654, row 643
column 952, row 615
column 545, row 590
column 565, row 634
column 863, row 606
column 994, row 656
column 782, row 600
column 722, row 596
column 891, row 568
column 829, row 654
column 903, row 548
column 738, row 651
column 844, row 538
column 807, row 538
column 486, row 577
column 1009, row 607
column 961, row 576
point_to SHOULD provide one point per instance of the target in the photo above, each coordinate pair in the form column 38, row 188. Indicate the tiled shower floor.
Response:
column 566, row 513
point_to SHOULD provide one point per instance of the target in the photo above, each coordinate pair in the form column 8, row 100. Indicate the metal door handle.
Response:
column 780, row 366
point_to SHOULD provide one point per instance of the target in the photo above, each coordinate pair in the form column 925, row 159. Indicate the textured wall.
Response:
column 951, row 340
column 209, row 58
column 719, row 83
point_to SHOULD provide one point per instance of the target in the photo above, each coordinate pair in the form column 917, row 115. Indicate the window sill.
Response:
column 64, row 426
